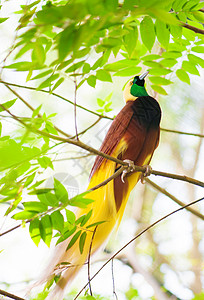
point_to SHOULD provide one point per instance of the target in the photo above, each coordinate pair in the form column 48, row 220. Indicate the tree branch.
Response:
column 9, row 295
column 163, row 191
column 80, row 144
column 136, row 237
column 193, row 28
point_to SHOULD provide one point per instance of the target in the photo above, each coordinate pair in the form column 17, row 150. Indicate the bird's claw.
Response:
column 130, row 168
column 148, row 171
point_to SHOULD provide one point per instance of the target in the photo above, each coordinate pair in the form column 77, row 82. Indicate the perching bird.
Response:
column 133, row 136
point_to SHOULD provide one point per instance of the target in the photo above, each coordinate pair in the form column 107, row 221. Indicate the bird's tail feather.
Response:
column 70, row 261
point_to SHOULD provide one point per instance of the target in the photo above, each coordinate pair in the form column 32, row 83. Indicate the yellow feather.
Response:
column 103, row 210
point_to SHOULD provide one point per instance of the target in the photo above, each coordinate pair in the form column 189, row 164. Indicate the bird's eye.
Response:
column 131, row 82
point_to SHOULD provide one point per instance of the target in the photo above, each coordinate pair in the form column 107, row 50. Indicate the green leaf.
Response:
column 75, row 66
column 43, row 74
column 36, row 111
column 49, row 199
column 70, row 216
column 172, row 54
column 7, row 104
column 46, row 229
column 130, row 71
column 48, row 81
column 159, row 89
column 35, row 206
column 60, row 192
column 152, row 64
column 183, row 76
column 164, row 16
column 130, row 40
column 198, row 49
column 91, row 80
column 86, row 68
column 38, row 53
column 3, row 20
column 86, row 218
column 57, row 220
column 111, row 5
column 176, row 31
column 80, row 201
column 121, row 64
column 29, row 180
column 189, row 67
column 162, row 32
column 100, row 102
column 49, row 127
column 66, row 42
column 103, row 75
column 81, row 53
column 95, row 224
column 24, row 215
column 159, row 80
column 196, row 60
column 168, row 62
column 67, row 234
column 178, row 4
column 23, row 66
column 82, row 241
column 159, row 71
column 49, row 15
column 74, row 239
column 35, row 231
column 147, row 32
column 98, row 63
column 45, row 162
column 58, row 83
column 22, row 154
column 151, row 57
column 108, row 98
column 199, row 16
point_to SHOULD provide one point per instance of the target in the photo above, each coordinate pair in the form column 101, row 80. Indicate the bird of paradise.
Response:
column 133, row 137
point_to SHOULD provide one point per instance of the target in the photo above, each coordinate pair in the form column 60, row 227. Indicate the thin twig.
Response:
column 89, row 127
column 89, row 260
column 75, row 112
column 137, row 236
column 56, row 95
column 163, row 191
column 113, row 280
column 9, row 295
column 183, row 132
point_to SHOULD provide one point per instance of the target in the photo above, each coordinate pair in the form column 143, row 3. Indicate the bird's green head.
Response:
column 135, row 88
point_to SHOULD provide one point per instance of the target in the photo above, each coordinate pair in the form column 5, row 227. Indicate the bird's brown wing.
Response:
column 114, row 134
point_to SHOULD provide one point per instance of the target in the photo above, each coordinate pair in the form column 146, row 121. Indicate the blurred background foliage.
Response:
column 63, row 67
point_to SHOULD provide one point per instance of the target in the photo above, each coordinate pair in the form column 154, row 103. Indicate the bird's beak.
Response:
column 142, row 76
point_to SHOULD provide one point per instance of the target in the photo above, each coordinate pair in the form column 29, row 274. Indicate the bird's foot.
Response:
column 130, row 168
column 148, row 171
